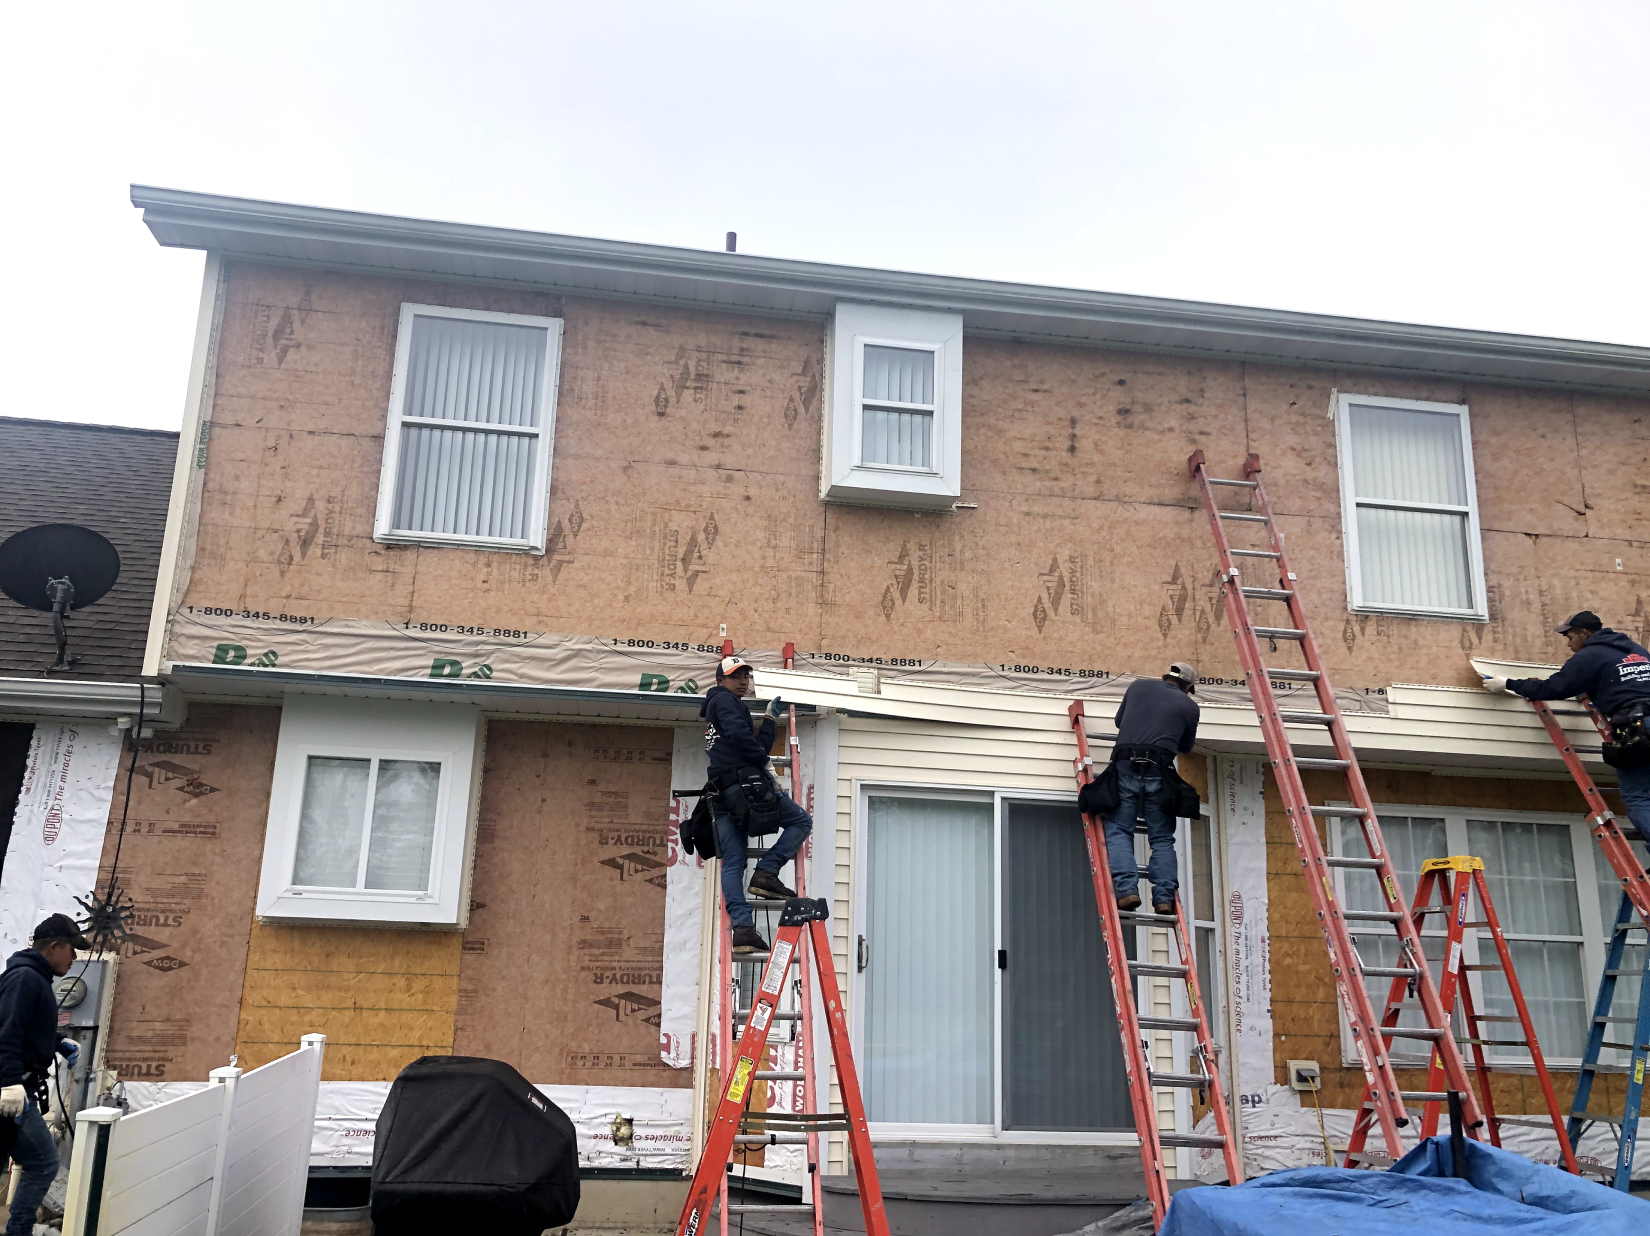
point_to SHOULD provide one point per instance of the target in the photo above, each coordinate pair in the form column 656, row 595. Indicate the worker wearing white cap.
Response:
column 749, row 803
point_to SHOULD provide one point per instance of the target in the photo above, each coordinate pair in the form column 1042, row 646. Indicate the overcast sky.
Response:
column 1464, row 164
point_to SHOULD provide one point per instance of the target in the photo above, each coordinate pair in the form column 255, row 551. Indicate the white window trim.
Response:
column 1479, row 611
column 1477, row 946
column 539, row 500
column 843, row 475
column 448, row 734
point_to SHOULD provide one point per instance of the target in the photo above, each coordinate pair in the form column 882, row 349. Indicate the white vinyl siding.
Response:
column 1409, row 510
column 468, row 441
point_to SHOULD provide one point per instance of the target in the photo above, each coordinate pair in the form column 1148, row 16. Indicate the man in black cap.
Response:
column 28, row 1041
column 1613, row 672
column 737, row 750
column 1156, row 721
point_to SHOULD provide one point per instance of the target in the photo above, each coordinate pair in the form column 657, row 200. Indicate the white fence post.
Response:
column 93, row 1128
column 317, row 1044
column 226, row 1078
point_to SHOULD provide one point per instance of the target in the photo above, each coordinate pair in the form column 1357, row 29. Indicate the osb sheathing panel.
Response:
column 685, row 480
column 189, row 862
column 561, row 967
column 1304, row 1009
column 383, row 997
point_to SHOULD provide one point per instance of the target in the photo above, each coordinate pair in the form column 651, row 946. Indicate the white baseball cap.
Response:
column 732, row 665
column 1181, row 672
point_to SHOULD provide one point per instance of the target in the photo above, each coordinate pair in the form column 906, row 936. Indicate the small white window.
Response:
column 369, row 812
column 1409, row 508
column 893, row 431
column 472, row 418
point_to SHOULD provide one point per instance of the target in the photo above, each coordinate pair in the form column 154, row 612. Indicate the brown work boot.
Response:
column 1130, row 902
column 1162, row 904
column 768, row 884
column 748, row 940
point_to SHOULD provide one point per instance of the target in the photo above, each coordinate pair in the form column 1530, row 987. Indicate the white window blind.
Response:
column 1408, row 508
column 337, row 849
column 468, row 441
column 898, row 407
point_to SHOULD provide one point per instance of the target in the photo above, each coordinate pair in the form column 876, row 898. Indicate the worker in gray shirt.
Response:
column 1156, row 721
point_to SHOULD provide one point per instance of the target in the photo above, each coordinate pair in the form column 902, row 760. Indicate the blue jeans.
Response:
column 794, row 827
column 36, row 1154
column 1635, row 792
column 1145, row 803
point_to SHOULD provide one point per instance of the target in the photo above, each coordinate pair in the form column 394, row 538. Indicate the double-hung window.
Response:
column 369, row 812
column 468, row 441
column 893, row 424
column 1409, row 509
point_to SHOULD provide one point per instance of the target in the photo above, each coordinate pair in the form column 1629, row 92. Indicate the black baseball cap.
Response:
column 1586, row 620
column 60, row 927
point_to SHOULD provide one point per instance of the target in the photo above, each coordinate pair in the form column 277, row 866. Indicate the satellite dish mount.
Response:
column 61, row 594
column 55, row 567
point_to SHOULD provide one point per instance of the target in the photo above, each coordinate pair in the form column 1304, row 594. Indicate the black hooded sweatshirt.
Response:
column 730, row 741
column 1610, row 669
column 28, row 1017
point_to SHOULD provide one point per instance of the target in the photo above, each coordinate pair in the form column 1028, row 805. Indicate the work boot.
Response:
column 1163, row 903
column 1130, row 901
column 768, row 884
column 748, row 940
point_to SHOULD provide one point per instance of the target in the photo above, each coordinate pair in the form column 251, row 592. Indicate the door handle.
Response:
column 863, row 956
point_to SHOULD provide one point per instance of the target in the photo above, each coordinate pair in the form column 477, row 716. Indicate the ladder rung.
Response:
column 1306, row 718
column 1268, row 594
column 1418, row 911
column 780, row 761
column 1254, row 553
column 1216, row 480
column 792, row 1208
column 1328, row 765
column 1371, row 1156
column 1602, row 1068
column 1294, row 675
column 1398, row 1032
column 1371, row 916
column 1341, row 813
column 778, row 1075
column 1391, row 972
column 1153, row 968
column 1619, row 1046
column 1494, row 965
column 1492, row 1042
column 1622, row 973
column 770, row 1139
column 1277, row 633
column 1191, row 1140
column 1183, row 1081
column 1596, row 1118
column 766, row 903
column 1242, row 518
column 1134, row 916
column 1569, row 712
column 1623, row 1020
column 1168, row 1023
column 1367, row 864
column 1495, row 1017
column 743, row 1014
column 1424, row 1096
column 740, row 958
column 1526, row 1122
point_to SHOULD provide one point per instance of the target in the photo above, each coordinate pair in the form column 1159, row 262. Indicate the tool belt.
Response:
column 1103, row 795
column 1629, row 743
column 749, row 797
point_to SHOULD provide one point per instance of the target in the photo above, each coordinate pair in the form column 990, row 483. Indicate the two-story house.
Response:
column 464, row 515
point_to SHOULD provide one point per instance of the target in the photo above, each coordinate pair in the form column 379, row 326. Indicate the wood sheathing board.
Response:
column 382, row 996
column 189, row 862
column 684, row 495
column 561, row 966
column 1304, row 1009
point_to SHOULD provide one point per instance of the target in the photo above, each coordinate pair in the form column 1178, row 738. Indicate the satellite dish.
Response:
column 58, row 568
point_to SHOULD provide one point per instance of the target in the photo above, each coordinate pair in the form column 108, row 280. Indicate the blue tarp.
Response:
column 1501, row 1191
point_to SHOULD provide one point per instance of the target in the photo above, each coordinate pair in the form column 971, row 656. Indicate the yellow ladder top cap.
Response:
column 1455, row 862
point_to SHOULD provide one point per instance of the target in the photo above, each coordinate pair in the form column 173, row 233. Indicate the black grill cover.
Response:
column 469, row 1145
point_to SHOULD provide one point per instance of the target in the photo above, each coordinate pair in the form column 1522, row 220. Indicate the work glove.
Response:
column 13, row 1099
column 1495, row 684
column 776, row 708
column 70, row 1051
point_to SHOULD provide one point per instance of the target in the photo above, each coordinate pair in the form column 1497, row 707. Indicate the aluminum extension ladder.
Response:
column 1386, row 1105
column 1124, row 974
column 1456, row 880
column 1638, row 1049
column 801, row 937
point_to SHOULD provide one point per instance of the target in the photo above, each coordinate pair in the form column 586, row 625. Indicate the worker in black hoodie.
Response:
column 734, row 742
column 28, row 1041
column 1613, row 672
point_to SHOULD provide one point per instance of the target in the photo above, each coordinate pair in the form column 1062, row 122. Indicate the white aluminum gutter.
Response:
column 381, row 244
column 50, row 699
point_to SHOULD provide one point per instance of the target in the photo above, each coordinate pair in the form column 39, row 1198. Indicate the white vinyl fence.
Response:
column 230, row 1160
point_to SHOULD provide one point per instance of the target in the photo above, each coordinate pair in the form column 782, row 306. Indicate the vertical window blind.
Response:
column 1412, row 526
column 336, row 846
column 898, row 407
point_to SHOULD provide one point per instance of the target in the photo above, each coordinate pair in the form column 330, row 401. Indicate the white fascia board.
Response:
column 47, row 699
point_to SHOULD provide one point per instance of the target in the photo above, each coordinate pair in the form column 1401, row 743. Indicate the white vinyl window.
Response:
column 1555, row 896
column 369, row 811
column 1409, row 508
column 471, row 422
column 893, row 432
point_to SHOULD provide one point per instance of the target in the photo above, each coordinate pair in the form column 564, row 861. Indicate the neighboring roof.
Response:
column 117, row 483
column 385, row 244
